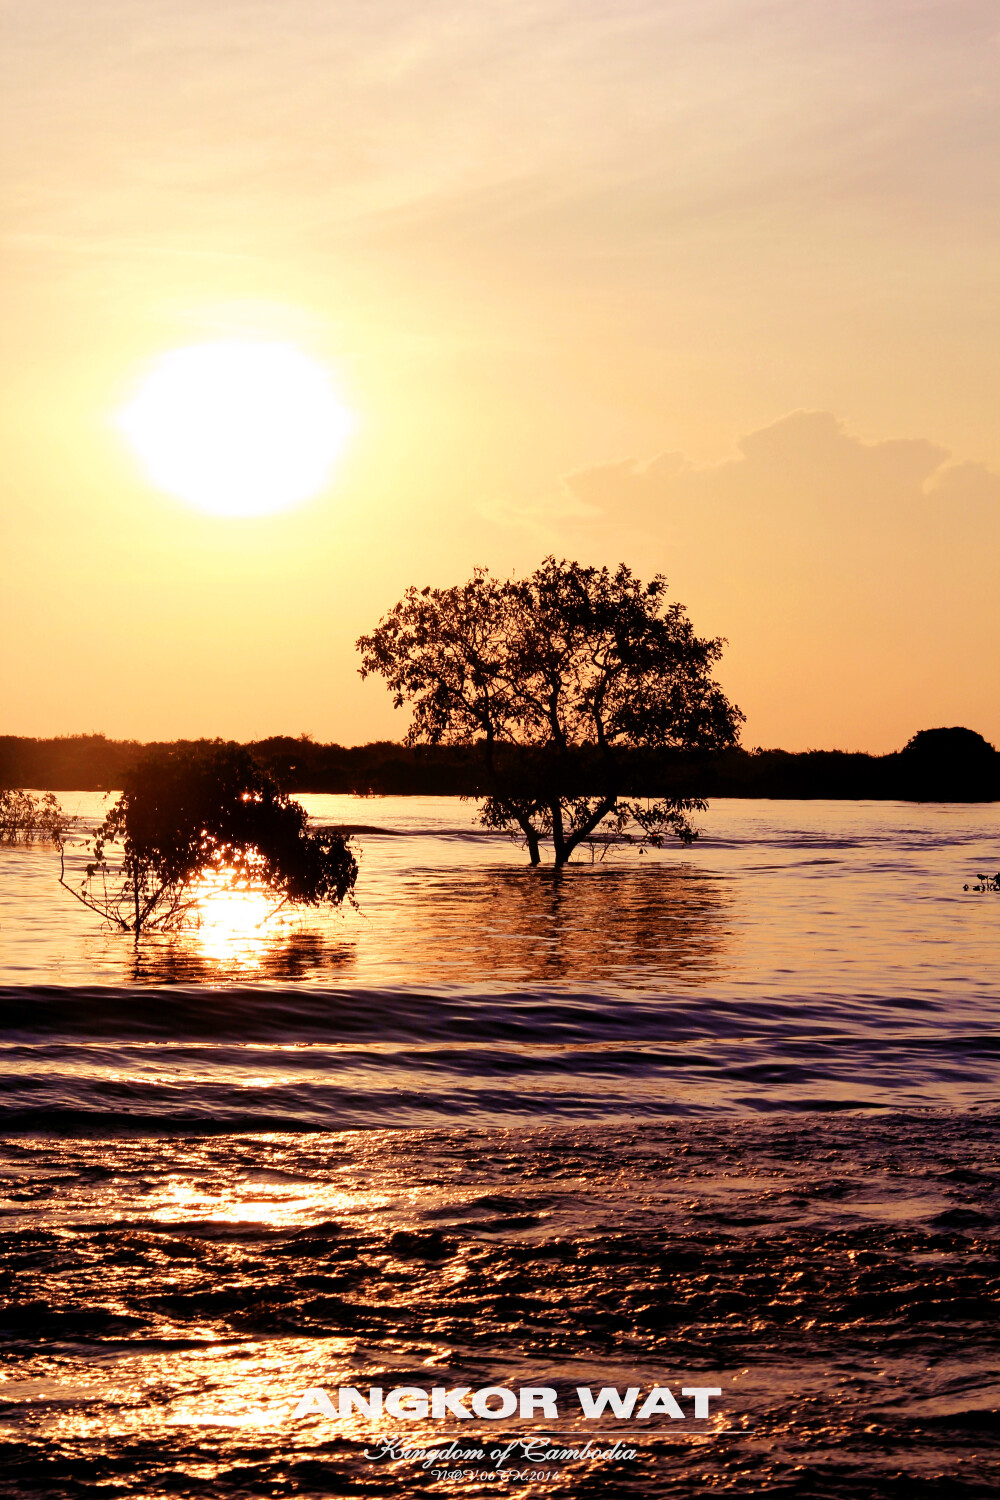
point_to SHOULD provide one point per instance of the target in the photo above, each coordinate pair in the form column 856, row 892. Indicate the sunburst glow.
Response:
column 237, row 428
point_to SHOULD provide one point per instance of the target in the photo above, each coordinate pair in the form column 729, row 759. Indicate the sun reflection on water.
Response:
column 235, row 928
column 275, row 1205
column 239, row 932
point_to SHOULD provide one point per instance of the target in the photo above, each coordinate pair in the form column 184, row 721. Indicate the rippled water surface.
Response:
column 836, row 1281
column 800, row 955
column 722, row 1117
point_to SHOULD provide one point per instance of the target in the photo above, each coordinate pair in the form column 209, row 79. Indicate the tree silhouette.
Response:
column 551, row 678
column 953, row 764
column 192, row 812
column 29, row 818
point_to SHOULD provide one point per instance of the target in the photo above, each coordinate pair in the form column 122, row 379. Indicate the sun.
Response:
column 237, row 427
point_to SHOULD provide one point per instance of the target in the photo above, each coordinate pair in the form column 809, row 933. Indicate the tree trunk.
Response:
column 562, row 853
column 530, row 837
column 606, row 805
column 135, row 892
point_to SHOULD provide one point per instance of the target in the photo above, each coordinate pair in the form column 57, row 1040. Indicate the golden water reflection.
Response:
column 633, row 925
column 269, row 1204
column 236, row 933
column 236, row 926
column 625, row 924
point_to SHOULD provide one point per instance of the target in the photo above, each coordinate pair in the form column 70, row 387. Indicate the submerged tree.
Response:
column 30, row 818
column 552, row 678
column 208, row 812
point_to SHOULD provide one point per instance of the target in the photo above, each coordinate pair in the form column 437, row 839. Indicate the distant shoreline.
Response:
column 94, row 763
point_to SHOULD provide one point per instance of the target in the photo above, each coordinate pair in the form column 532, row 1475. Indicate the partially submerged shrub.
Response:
column 207, row 812
column 986, row 883
column 29, row 818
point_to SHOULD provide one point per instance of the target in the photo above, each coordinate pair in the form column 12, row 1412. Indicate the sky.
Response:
column 709, row 286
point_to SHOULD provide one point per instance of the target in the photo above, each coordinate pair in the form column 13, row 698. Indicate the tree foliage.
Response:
column 30, row 818
column 534, row 670
column 207, row 811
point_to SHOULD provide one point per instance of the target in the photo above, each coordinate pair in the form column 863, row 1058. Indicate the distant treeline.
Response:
column 950, row 765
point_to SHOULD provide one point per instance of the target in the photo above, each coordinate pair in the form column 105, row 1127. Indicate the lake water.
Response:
column 798, row 956
column 717, row 1116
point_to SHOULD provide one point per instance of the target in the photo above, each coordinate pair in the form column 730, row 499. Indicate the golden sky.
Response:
column 708, row 285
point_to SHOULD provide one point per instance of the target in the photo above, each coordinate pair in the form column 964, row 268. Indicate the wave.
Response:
column 462, row 1013
column 64, row 1084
